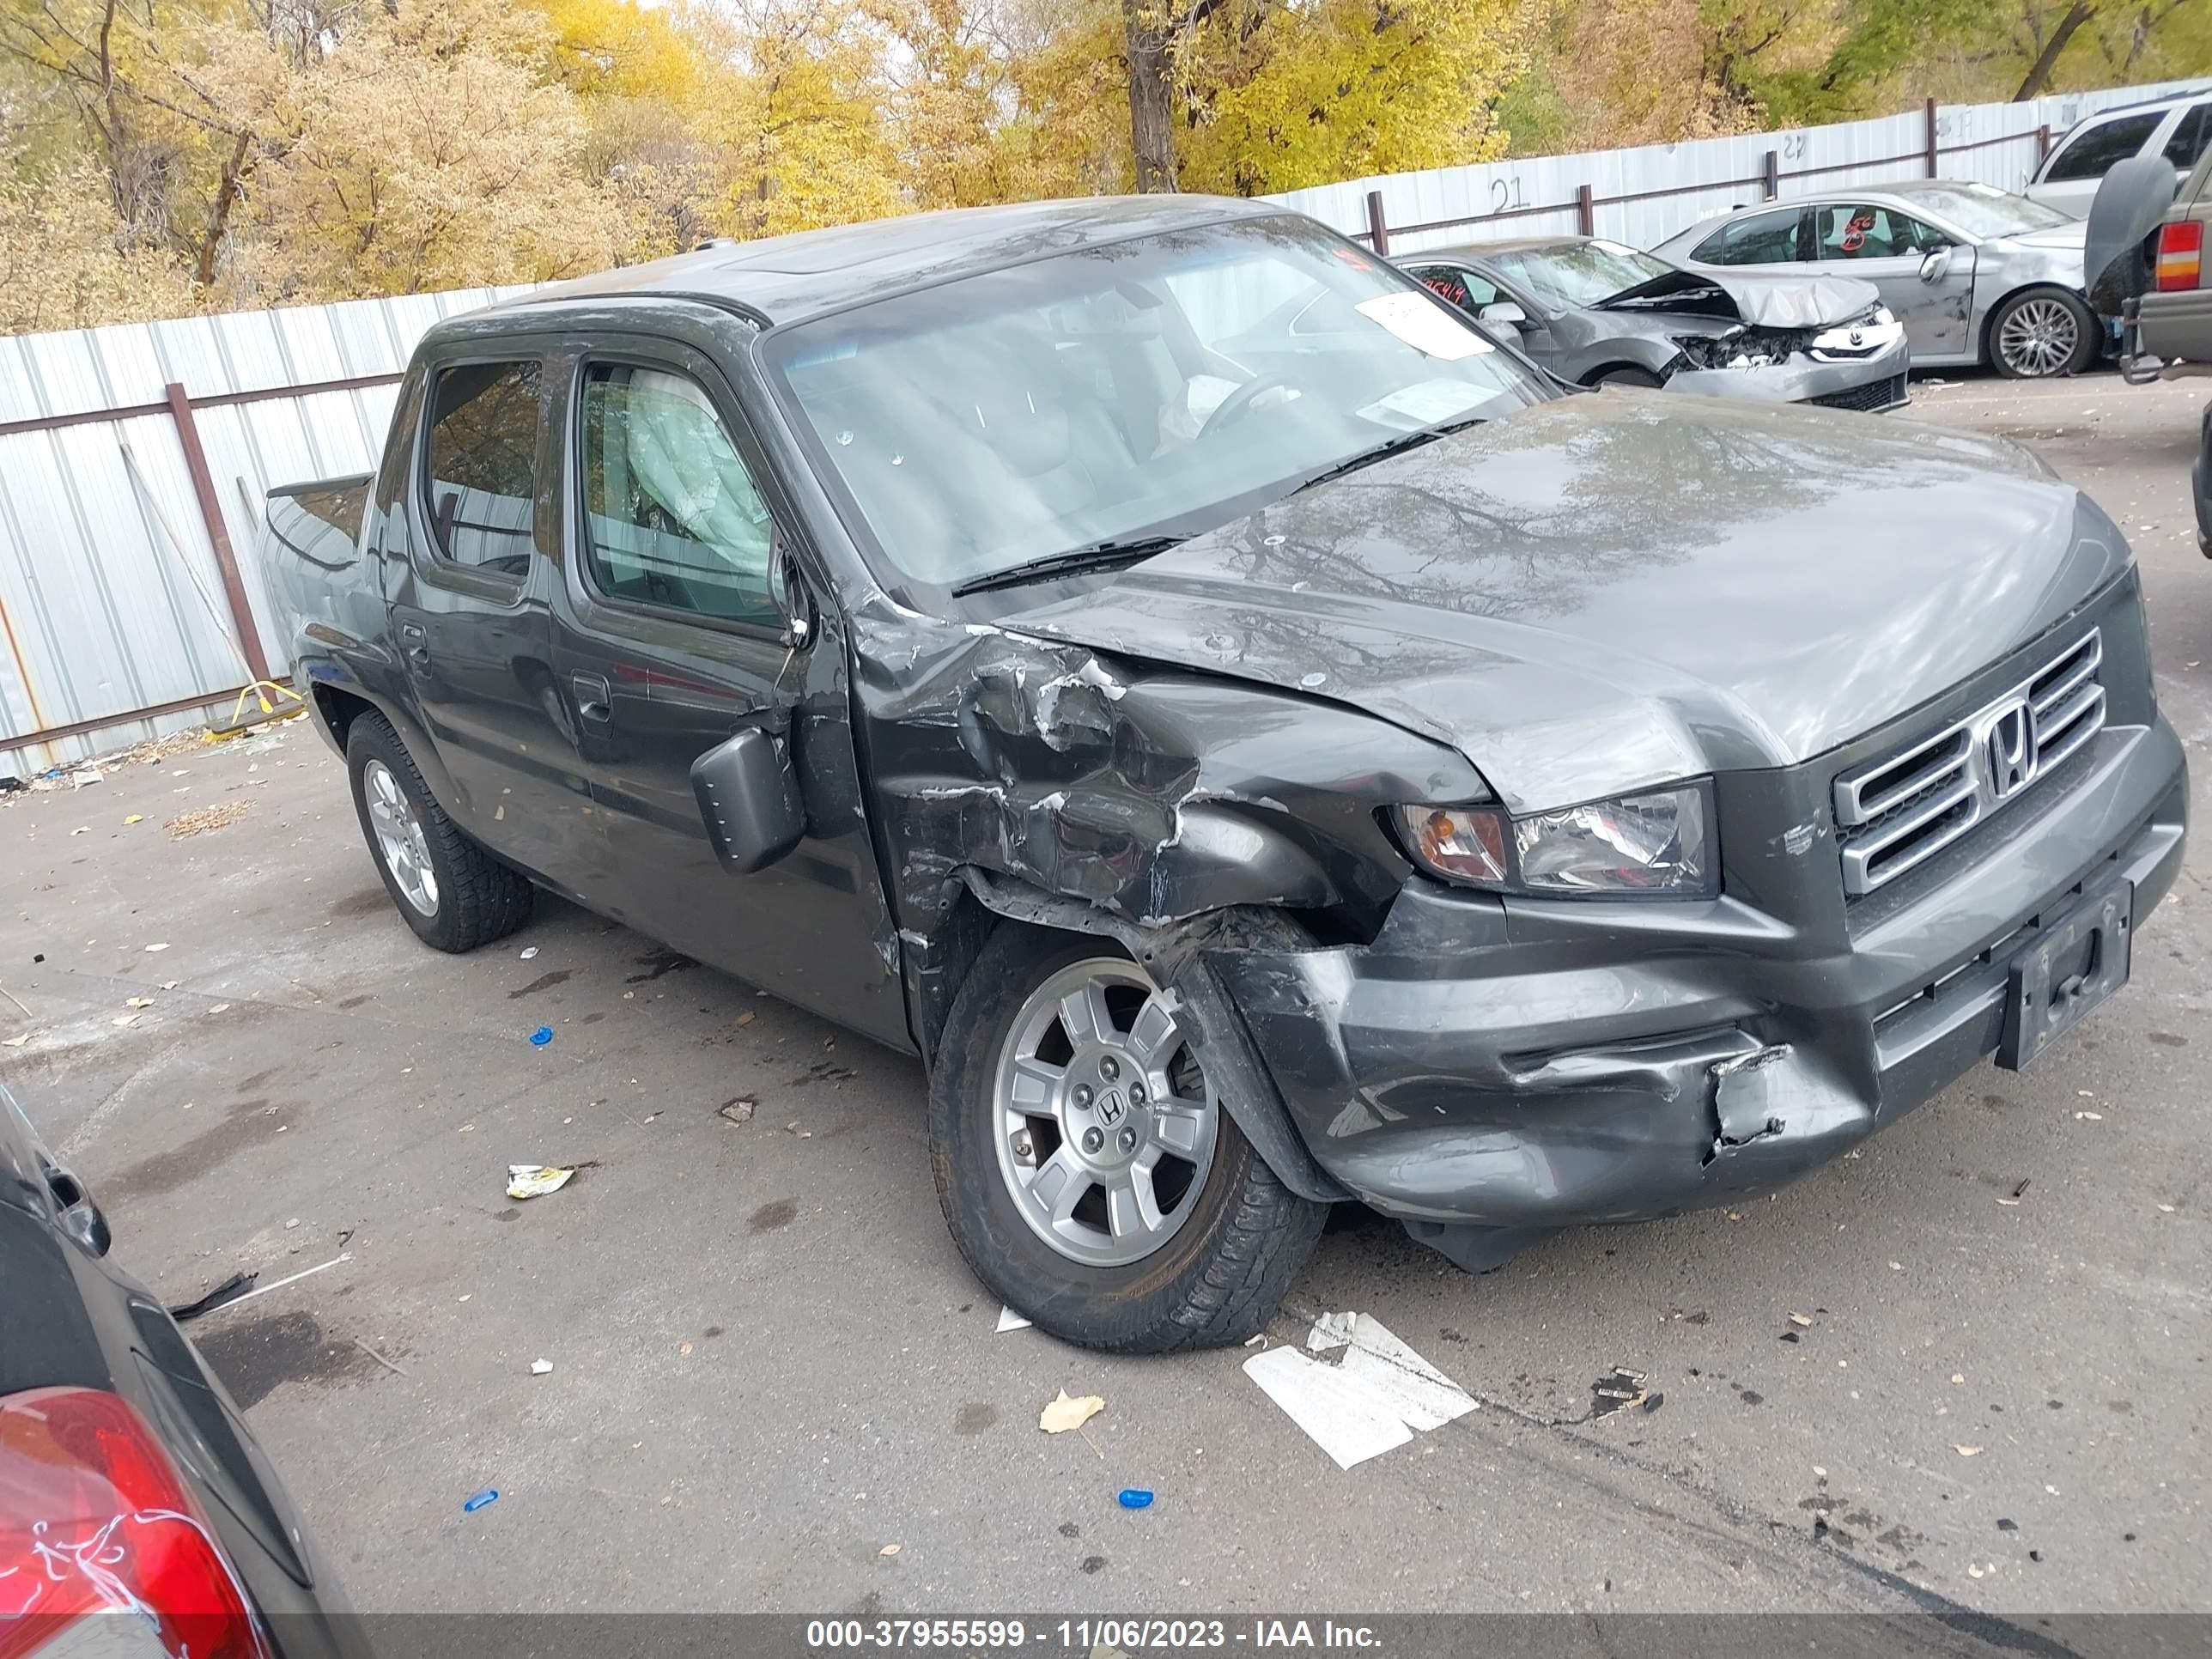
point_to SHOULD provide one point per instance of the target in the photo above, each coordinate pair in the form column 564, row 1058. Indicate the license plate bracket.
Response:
column 2082, row 959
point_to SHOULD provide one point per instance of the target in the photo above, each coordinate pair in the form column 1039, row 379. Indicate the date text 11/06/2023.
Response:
column 1085, row 1636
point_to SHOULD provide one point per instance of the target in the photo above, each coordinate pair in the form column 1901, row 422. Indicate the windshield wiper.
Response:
column 1099, row 555
column 1389, row 446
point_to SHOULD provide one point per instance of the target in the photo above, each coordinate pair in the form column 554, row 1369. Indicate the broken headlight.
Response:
column 1658, row 844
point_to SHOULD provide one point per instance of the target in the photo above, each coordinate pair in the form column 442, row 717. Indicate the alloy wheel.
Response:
column 399, row 840
column 1104, row 1122
column 2039, row 337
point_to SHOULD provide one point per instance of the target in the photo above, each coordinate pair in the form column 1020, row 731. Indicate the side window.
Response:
column 1856, row 231
column 2091, row 152
column 392, row 470
column 1757, row 239
column 1462, row 287
column 2189, row 138
column 481, row 482
column 671, row 516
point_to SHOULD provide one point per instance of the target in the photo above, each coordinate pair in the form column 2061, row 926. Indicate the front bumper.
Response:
column 1873, row 382
column 1520, row 1064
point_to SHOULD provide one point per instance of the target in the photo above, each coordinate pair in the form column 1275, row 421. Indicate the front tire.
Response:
column 1085, row 1165
column 452, row 893
column 2042, row 333
column 1626, row 375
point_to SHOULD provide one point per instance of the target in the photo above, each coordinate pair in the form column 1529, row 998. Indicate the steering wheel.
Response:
column 1233, row 409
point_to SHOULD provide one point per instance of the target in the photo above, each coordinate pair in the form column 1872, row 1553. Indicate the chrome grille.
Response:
column 1898, row 813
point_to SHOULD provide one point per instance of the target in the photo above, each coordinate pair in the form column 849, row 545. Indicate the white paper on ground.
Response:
column 1331, row 1330
column 1420, row 1394
column 1344, row 1417
column 1423, row 324
column 1010, row 1321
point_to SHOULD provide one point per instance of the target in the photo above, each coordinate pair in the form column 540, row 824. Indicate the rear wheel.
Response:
column 451, row 892
column 2043, row 332
column 1085, row 1164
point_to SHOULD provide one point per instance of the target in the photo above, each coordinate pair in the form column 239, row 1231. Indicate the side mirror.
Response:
column 788, row 591
column 749, row 799
column 1935, row 265
column 1504, row 313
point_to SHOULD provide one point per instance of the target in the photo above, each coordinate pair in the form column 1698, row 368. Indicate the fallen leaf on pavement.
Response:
column 1800, row 1319
column 138, row 1002
column 1968, row 1451
column 1066, row 1411
column 889, row 1549
column 224, row 813
column 747, row 1019
column 136, row 818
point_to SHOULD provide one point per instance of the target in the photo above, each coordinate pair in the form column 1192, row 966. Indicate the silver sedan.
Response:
column 1976, row 275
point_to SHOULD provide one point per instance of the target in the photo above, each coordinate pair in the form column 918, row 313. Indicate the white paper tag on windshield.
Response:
column 1425, row 403
column 1424, row 325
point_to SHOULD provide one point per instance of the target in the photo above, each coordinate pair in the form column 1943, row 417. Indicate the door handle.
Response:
column 80, row 1218
column 594, row 697
column 414, row 639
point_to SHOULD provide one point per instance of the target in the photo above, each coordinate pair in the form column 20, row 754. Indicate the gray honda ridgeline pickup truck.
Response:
column 1260, row 741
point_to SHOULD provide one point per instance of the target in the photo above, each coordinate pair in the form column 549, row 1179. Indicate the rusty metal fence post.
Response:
column 1934, row 152
column 1770, row 176
column 233, row 579
column 1378, row 233
column 1586, row 210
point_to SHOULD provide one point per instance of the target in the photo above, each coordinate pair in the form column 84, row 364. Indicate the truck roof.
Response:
column 783, row 279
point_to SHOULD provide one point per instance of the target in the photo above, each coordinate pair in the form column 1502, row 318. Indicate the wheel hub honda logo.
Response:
column 1110, row 1108
column 2011, row 749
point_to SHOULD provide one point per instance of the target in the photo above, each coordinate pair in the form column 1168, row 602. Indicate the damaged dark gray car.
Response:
column 1258, row 743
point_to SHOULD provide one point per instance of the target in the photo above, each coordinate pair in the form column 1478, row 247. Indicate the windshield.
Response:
column 1580, row 273
column 1159, row 386
column 1981, row 211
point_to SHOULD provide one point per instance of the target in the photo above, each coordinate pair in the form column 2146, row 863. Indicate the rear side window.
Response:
column 481, row 471
column 2189, row 138
column 1757, row 239
column 674, row 517
column 2091, row 153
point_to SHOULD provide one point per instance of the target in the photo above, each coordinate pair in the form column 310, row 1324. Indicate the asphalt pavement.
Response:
column 1956, row 1369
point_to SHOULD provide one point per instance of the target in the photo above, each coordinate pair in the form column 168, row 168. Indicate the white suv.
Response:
column 2177, row 125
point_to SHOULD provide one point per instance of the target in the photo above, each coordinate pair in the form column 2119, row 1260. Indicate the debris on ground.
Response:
column 746, row 1018
column 1800, row 1320
column 134, row 818
column 1367, row 1393
column 161, row 945
column 1968, row 1451
column 792, row 1128
column 541, row 1036
column 138, row 1002
column 1135, row 1497
column 1010, row 1321
column 219, row 1008
column 229, row 1291
column 541, row 1368
column 18, row 1042
column 1065, row 1412
column 536, row 1180
column 199, row 822
column 479, row 1500
column 1617, row 1390
column 739, row 1110
column 530, row 953
column 126, row 1019
column 888, row 1550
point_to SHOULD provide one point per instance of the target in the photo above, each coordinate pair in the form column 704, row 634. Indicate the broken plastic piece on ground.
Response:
column 1800, row 1319
column 739, row 1110
column 1136, row 1497
column 529, row 952
column 889, row 1549
column 1010, row 1321
column 541, row 1368
column 535, row 1180
column 1066, row 1411
column 541, row 1036
column 229, row 1291
column 1617, row 1390
column 478, row 1500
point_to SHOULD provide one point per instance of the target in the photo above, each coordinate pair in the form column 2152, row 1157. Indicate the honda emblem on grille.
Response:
column 2012, row 749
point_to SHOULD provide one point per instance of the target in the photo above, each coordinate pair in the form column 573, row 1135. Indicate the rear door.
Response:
column 1880, row 244
column 669, row 640
column 470, row 615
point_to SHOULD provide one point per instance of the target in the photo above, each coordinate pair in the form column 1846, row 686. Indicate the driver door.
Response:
column 1934, row 299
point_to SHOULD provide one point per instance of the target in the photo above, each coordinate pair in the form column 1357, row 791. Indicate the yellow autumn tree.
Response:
column 1279, row 96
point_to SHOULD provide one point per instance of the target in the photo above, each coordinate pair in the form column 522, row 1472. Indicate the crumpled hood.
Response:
column 1762, row 301
column 1608, row 592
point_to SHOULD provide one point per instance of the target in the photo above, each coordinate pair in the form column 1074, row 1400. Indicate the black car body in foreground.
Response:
column 1256, row 740
column 137, row 1516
